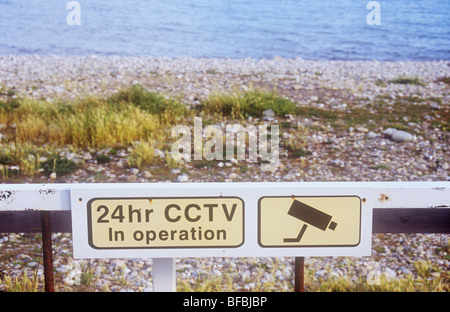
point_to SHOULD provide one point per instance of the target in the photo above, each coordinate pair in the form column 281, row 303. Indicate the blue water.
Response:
column 328, row 30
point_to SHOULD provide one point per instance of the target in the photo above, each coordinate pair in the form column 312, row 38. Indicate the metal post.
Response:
column 47, row 250
column 164, row 276
column 299, row 278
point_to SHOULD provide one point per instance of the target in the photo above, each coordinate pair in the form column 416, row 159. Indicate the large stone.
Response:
column 398, row 135
column 402, row 136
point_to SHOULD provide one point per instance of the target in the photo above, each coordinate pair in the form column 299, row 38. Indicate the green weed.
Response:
column 102, row 158
column 444, row 80
column 408, row 80
column 330, row 283
column 360, row 284
column 151, row 102
column 241, row 105
column 133, row 114
column 296, row 142
column 142, row 154
column 23, row 283
column 58, row 165
column 24, row 156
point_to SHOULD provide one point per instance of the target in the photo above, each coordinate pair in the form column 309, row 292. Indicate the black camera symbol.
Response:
column 311, row 216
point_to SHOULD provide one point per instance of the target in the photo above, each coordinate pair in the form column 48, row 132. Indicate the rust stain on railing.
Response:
column 383, row 198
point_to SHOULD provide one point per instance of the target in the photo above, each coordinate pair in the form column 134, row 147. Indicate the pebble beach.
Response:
column 416, row 151
column 54, row 77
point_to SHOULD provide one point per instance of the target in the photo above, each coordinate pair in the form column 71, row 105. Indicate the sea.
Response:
column 391, row 30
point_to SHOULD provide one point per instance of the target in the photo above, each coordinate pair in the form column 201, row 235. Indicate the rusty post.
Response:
column 299, row 278
column 47, row 250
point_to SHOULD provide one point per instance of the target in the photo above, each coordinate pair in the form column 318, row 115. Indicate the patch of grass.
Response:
column 424, row 268
column 207, row 283
column 379, row 166
column 87, row 276
column 9, row 105
column 379, row 249
column 295, row 139
column 383, row 112
column 241, row 105
column 263, row 279
column 33, row 127
column 151, row 102
column 142, row 154
column 10, row 154
column 23, row 283
column 380, row 83
column 205, row 164
column 8, row 100
column 444, row 80
column 408, row 80
column 301, row 153
column 102, row 158
column 132, row 114
column 360, row 284
column 58, row 165
column 320, row 113
column 24, row 156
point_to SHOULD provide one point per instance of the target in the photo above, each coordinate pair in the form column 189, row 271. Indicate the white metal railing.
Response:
column 60, row 197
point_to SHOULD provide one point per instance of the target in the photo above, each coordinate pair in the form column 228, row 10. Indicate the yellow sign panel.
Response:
column 117, row 223
column 309, row 221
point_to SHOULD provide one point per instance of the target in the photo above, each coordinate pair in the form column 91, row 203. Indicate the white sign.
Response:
column 221, row 219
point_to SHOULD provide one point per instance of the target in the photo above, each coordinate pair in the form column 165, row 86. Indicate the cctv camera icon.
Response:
column 311, row 216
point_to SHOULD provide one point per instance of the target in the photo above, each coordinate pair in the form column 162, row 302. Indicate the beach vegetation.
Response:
column 408, row 80
column 102, row 158
column 382, row 112
column 328, row 282
column 131, row 115
column 384, row 284
column 296, row 141
column 379, row 166
column 59, row 165
column 22, row 283
column 33, row 132
column 147, row 101
column 380, row 83
column 444, row 79
column 251, row 103
column 142, row 154
column 23, row 159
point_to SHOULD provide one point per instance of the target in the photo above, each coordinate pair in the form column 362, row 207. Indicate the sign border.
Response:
column 89, row 222
column 307, row 246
